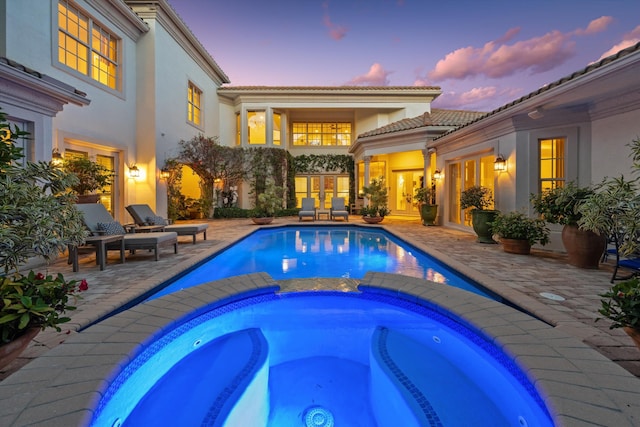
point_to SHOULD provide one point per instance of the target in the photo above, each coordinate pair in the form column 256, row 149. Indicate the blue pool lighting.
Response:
column 321, row 359
column 347, row 252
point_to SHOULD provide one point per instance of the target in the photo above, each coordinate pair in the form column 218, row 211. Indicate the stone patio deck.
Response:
column 520, row 279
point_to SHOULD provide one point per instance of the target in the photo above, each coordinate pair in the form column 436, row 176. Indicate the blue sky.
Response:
column 482, row 53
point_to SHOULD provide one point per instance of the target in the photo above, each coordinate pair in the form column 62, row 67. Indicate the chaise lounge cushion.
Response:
column 142, row 215
column 95, row 213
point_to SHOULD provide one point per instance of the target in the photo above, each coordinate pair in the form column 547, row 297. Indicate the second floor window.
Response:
column 322, row 134
column 85, row 46
column 194, row 113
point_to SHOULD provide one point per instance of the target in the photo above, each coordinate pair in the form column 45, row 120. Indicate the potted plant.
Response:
column 518, row 232
column 621, row 305
column 92, row 176
column 479, row 199
column 38, row 218
column 560, row 205
column 267, row 203
column 424, row 198
column 378, row 198
column 613, row 208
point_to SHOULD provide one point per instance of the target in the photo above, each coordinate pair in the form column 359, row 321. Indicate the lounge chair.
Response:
column 308, row 209
column 338, row 209
column 143, row 215
column 99, row 222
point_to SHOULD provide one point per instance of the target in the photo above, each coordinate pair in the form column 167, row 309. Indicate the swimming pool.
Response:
column 322, row 359
column 322, row 252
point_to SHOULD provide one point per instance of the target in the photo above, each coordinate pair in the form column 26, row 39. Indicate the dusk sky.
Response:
column 482, row 53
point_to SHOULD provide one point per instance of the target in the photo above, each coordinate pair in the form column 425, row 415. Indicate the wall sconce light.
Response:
column 536, row 113
column 437, row 175
column 134, row 172
column 500, row 164
column 164, row 173
column 56, row 158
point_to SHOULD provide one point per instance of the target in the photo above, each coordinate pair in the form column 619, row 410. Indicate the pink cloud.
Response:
column 479, row 98
column 628, row 40
column 596, row 26
column 496, row 59
column 336, row 32
column 376, row 76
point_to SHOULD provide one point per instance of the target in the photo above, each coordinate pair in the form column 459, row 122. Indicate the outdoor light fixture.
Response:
column 536, row 113
column 437, row 174
column 56, row 158
column 134, row 172
column 164, row 173
column 500, row 164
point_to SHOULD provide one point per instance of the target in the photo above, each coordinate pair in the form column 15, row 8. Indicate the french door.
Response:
column 464, row 174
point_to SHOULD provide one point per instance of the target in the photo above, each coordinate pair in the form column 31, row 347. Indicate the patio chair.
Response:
column 308, row 209
column 100, row 222
column 338, row 209
column 143, row 215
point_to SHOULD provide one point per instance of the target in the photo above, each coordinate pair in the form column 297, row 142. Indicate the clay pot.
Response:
column 262, row 221
column 634, row 333
column 584, row 248
column 372, row 219
column 516, row 246
column 11, row 350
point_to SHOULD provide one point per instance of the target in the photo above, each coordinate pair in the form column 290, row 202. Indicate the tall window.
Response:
column 551, row 163
column 85, row 46
column 322, row 134
column 257, row 132
column 277, row 118
column 194, row 113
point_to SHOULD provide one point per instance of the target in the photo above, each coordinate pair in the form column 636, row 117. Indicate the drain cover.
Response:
column 317, row 416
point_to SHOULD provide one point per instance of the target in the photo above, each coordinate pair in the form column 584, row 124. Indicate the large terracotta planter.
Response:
column 429, row 214
column 634, row 333
column 87, row 198
column 262, row 221
column 372, row 219
column 10, row 351
column 516, row 246
column 480, row 219
column 584, row 248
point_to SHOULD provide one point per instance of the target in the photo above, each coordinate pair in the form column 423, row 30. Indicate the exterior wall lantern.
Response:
column 56, row 158
column 500, row 165
column 134, row 172
column 164, row 174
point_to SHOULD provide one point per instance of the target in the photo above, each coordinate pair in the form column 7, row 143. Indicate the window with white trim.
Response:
column 194, row 105
column 86, row 46
column 322, row 134
column 552, row 164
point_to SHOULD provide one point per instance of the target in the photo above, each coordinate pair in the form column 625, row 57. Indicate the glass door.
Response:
column 466, row 174
column 401, row 197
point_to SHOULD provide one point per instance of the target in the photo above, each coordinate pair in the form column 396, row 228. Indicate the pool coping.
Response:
column 579, row 385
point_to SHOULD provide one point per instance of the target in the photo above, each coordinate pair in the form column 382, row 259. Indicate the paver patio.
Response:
column 520, row 279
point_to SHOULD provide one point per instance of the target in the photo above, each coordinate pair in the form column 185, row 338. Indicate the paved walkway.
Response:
column 520, row 279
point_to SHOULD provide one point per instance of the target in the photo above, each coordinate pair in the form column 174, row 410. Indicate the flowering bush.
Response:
column 622, row 304
column 35, row 300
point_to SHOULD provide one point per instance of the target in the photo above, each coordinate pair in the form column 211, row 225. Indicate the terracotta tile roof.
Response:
column 590, row 68
column 437, row 117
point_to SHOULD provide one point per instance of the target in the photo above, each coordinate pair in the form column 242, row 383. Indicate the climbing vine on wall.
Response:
column 318, row 163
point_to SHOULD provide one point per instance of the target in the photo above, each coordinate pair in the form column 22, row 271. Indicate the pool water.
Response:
column 322, row 252
column 322, row 359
